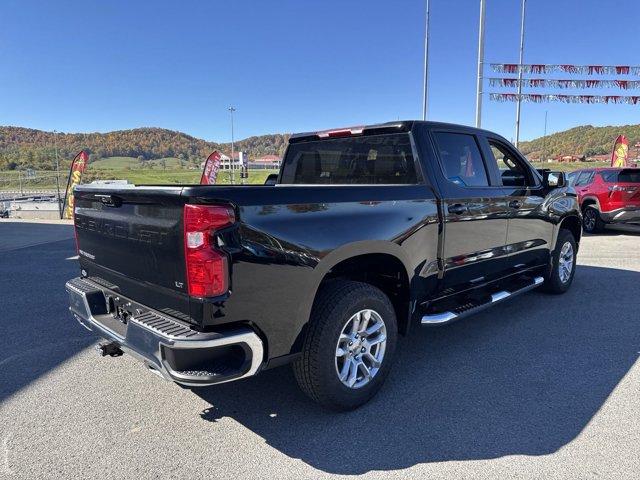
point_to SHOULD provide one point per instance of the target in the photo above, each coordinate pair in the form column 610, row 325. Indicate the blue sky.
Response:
column 291, row 65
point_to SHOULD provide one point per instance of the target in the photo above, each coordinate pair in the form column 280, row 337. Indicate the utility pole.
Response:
column 233, row 166
column 425, row 92
column 480, row 66
column 519, row 99
column 55, row 142
column 544, row 138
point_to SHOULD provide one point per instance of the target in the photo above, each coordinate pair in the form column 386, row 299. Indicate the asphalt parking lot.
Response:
column 540, row 387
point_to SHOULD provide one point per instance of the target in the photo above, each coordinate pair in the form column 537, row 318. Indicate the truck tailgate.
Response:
column 132, row 239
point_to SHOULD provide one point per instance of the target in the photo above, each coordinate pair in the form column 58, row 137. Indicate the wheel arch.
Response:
column 573, row 224
column 590, row 200
column 379, row 263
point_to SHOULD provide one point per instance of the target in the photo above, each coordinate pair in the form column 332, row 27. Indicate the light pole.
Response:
column 55, row 143
column 425, row 92
column 231, row 110
column 544, row 138
column 519, row 99
column 480, row 67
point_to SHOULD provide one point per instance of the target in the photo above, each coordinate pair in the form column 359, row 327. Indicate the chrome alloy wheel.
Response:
column 361, row 348
column 565, row 262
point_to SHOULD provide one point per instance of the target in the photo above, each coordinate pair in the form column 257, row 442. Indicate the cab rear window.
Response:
column 374, row 159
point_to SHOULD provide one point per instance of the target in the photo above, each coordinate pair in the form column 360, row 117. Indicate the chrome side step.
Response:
column 442, row 318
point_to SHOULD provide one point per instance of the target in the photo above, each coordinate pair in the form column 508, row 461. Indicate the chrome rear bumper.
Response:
column 167, row 346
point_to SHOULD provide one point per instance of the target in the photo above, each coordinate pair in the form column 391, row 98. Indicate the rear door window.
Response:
column 374, row 159
column 461, row 160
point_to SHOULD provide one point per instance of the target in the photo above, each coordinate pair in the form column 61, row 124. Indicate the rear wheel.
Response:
column 564, row 264
column 591, row 221
column 349, row 347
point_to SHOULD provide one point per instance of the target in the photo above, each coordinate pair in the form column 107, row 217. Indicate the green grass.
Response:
column 129, row 168
column 120, row 163
column 569, row 166
column 114, row 163
column 46, row 180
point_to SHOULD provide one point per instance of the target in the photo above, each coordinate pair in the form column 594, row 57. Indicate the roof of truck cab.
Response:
column 402, row 125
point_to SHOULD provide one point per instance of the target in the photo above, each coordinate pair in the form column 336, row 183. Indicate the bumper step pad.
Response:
column 166, row 345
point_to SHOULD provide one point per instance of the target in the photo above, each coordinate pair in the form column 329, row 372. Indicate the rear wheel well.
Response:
column 383, row 271
column 573, row 225
column 589, row 202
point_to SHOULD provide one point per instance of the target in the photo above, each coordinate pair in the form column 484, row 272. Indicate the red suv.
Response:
column 607, row 195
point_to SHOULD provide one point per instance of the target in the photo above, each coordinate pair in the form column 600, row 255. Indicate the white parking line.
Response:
column 6, row 468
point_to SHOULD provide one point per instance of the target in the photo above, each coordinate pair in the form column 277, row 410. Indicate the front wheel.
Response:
column 564, row 264
column 349, row 345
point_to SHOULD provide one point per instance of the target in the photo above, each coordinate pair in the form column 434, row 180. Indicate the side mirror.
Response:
column 554, row 179
column 272, row 179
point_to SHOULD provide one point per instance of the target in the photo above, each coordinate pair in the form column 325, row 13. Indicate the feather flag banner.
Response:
column 211, row 167
column 573, row 69
column 620, row 152
column 591, row 99
column 78, row 166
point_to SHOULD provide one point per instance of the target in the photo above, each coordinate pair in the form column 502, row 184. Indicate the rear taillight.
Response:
column 207, row 269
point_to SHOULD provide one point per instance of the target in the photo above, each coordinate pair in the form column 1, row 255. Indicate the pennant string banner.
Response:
column 538, row 98
column 565, row 83
column 574, row 69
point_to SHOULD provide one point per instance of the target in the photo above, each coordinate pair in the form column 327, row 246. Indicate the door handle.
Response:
column 515, row 204
column 457, row 208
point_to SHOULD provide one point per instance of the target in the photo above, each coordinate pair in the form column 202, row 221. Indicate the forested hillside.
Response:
column 586, row 140
column 28, row 148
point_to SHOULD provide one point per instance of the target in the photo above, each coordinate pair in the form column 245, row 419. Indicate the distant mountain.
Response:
column 586, row 140
column 29, row 148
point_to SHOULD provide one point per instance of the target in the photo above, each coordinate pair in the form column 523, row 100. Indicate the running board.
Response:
column 451, row 316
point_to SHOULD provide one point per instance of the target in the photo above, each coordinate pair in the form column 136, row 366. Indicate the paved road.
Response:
column 542, row 387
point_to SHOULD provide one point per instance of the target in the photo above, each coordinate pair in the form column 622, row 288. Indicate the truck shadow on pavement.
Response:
column 523, row 378
column 37, row 330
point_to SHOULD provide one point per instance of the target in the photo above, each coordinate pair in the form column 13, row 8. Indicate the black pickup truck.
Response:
column 367, row 233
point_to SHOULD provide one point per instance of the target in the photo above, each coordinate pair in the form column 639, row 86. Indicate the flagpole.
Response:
column 55, row 142
column 544, row 138
column 519, row 99
column 425, row 91
column 480, row 66
column 233, row 166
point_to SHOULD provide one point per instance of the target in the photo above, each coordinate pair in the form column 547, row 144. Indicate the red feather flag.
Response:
column 211, row 167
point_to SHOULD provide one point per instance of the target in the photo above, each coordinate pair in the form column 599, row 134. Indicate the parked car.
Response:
column 368, row 232
column 607, row 196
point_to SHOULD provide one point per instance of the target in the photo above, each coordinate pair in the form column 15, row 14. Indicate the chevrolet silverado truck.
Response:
column 367, row 233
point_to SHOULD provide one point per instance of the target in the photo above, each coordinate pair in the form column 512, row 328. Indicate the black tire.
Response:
column 316, row 369
column 555, row 282
column 591, row 220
